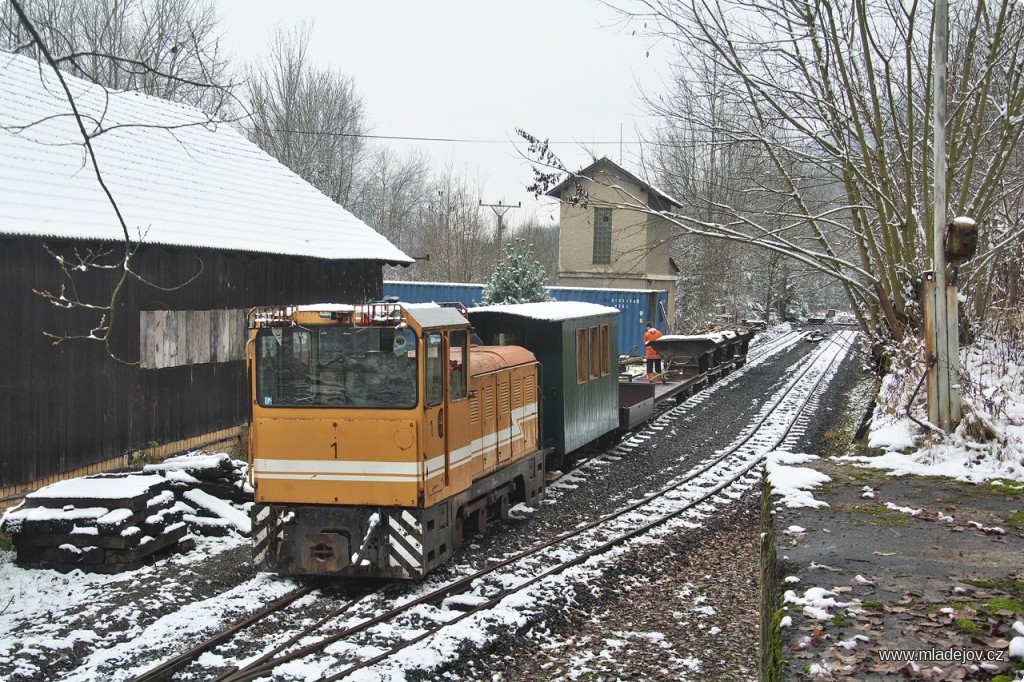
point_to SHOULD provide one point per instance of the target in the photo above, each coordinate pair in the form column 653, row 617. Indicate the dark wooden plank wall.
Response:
column 67, row 406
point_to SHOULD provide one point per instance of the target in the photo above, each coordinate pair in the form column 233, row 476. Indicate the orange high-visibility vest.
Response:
column 649, row 336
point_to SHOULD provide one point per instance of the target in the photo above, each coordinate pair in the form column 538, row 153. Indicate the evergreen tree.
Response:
column 518, row 279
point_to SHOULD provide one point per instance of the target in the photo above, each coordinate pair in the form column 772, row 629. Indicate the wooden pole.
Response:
column 939, row 385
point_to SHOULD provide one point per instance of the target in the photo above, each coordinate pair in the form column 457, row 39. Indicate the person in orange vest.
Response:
column 653, row 358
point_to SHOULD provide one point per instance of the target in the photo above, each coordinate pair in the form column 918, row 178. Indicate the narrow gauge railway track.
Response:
column 169, row 667
column 737, row 463
column 181, row 662
column 773, row 346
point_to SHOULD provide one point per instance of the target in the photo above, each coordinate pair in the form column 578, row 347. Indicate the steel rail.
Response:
column 169, row 667
column 435, row 597
column 305, row 632
column 621, row 539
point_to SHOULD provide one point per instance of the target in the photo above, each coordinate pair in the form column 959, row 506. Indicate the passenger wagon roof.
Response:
column 550, row 311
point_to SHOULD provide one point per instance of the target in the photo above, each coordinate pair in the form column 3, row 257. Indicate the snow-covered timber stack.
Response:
column 101, row 524
column 117, row 522
column 216, row 474
column 205, row 482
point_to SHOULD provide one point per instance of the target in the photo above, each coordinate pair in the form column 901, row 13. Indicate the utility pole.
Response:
column 500, row 209
column 941, row 323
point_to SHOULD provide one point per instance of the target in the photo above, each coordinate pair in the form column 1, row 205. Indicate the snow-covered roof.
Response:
column 550, row 311
column 178, row 179
column 604, row 163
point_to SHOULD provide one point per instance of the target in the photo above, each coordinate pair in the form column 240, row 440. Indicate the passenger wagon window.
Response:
column 581, row 356
column 606, row 364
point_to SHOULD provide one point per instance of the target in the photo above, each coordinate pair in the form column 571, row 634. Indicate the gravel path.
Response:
column 678, row 610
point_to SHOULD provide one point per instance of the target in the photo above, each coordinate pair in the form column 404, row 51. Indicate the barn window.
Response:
column 606, row 361
column 602, row 236
column 581, row 356
column 595, row 354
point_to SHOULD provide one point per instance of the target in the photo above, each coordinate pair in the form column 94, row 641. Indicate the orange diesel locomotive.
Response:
column 378, row 435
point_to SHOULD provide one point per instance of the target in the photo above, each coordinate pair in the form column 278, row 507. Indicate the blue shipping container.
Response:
column 468, row 295
column 636, row 306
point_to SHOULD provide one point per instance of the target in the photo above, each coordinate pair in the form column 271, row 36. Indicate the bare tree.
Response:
column 391, row 193
column 454, row 232
column 312, row 120
column 165, row 48
column 109, row 28
column 829, row 106
column 543, row 240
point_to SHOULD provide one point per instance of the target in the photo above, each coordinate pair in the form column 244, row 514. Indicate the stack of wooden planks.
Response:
column 117, row 522
column 208, row 484
column 99, row 524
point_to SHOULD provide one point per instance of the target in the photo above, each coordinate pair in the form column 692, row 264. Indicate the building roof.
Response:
column 178, row 179
column 607, row 165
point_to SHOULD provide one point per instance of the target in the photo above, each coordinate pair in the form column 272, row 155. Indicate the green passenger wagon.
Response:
column 577, row 345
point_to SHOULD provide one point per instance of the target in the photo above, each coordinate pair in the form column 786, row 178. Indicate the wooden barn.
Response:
column 219, row 227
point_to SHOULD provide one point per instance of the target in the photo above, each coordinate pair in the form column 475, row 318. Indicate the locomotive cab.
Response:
column 374, row 438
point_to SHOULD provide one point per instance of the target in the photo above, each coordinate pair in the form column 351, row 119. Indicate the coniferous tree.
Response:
column 518, row 279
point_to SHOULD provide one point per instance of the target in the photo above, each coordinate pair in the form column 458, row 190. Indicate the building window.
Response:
column 178, row 338
column 602, row 236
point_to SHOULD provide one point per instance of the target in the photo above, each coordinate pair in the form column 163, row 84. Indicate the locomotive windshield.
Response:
column 330, row 366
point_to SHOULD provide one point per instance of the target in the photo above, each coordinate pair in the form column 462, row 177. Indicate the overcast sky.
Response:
column 566, row 70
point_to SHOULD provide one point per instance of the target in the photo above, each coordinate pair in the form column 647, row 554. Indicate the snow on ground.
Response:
column 40, row 601
column 993, row 400
column 41, row 596
column 794, row 484
column 42, row 611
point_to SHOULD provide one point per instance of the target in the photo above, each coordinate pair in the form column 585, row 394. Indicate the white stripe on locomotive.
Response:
column 393, row 472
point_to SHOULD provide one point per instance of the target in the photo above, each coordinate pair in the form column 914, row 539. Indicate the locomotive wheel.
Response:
column 458, row 532
column 503, row 507
column 481, row 521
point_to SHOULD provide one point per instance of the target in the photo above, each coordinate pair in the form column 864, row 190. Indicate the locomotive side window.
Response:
column 595, row 358
column 581, row 356
column 435, row 369
column 336, row 367
column 457, row 365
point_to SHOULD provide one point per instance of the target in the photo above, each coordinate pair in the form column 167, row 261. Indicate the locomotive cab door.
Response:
column 436, row 454
column 447, row 406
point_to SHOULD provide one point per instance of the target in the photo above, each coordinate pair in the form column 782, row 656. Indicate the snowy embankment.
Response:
column 988, row 444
